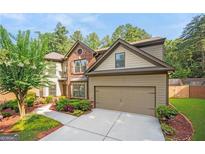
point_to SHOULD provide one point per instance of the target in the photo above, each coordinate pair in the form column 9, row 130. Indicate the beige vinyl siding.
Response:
column 156, row 51
column 131, row 60
column 157, row 80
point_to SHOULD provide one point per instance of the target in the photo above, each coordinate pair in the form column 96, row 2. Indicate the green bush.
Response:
column 84, row 105
column 30, row 98
column 60, row 105
column 168, row 130
column 166, row 112
column 31, row 94
column 49, row 99
column 12, row 104
column 61, row 97
column 29, row 101
column 6, row 114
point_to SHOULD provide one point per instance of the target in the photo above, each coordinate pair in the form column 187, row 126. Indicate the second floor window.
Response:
column 51, row 69
column 120, row 60
column 80, row 65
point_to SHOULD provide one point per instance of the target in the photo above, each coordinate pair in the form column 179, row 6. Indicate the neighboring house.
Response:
column 129, row 77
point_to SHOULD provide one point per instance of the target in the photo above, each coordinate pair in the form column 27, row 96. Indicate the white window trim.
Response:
column 85, row 84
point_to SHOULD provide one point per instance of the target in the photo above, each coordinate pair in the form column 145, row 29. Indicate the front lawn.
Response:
column 194, row 109
column 33, row 126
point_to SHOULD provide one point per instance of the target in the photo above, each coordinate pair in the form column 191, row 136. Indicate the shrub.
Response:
column 31, row 94
column 84, row 105
column 41, row 101
column 69, row 108
column 49, row 99
column 6, row 114
column 30, row 98
column 12, row 104
column 166, row 112
column 77, row 113
column 168, row 130
column 61, row 104
column 29, row 101
column 61, row 97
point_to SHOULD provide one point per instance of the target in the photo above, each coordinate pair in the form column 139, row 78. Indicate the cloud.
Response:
column 14, row 16
column 83, row 22
column 65, row 19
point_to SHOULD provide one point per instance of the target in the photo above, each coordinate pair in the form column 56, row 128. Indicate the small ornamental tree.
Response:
column 22, row 65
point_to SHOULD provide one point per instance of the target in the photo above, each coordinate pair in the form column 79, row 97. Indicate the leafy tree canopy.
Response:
column 22, row 64
column 93, row 41
column 129, row 33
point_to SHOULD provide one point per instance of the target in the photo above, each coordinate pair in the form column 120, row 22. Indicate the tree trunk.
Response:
column 22, row 110
column 21, row 105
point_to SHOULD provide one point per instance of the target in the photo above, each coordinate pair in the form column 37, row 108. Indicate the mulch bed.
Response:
column 6, row 123
column 183, row 128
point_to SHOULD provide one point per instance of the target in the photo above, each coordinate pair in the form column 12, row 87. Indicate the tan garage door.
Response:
column 128, row 99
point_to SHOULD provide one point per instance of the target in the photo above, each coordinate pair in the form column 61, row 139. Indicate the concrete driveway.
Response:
column 105, row 125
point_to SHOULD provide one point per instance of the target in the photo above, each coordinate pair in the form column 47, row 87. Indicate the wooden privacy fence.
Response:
column 186, row 91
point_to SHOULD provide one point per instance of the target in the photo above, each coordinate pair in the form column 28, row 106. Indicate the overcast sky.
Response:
column 164, row 25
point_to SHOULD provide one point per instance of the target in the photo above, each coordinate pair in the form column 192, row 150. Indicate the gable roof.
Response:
column 75, row 45
column 54, row 56
column 140, row 43
column 160, row 64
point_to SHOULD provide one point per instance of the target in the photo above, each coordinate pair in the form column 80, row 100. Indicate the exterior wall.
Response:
column 156, row 51
column 131, row 60
column 88, row 55
column 55, row 80
column 157, row 80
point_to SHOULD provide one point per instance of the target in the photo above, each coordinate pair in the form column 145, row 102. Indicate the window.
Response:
column 51, row 69
column 120, row 60
column 80, row 65
column 78, row 90
column 80, row 51
column 52, row 90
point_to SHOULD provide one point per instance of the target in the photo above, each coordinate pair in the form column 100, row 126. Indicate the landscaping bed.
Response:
column 194, row 110
column 175, row 126
column 32, row 127
column 75, row 107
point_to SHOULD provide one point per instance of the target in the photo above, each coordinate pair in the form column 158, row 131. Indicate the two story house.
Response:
column 127, row 76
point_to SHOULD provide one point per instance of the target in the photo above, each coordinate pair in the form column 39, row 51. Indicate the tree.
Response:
column 22, row 65
column 56, row 41
column 106, row 41
column 129, row 33
column 77, row 35
column 93, row 41
column 175, row 56
column 47, row 38
column 194, row 37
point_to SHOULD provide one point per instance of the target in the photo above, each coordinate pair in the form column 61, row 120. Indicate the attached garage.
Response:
column 129, row 93
column 128, row 79
column 128, row 99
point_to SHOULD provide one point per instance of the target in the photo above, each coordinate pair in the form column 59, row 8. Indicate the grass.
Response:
column 194, row 109
column 29, row 127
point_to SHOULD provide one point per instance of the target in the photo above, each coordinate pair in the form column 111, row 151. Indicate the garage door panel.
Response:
column 128, row 99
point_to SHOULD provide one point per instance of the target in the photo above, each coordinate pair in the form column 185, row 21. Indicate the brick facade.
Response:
column 86, row 54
